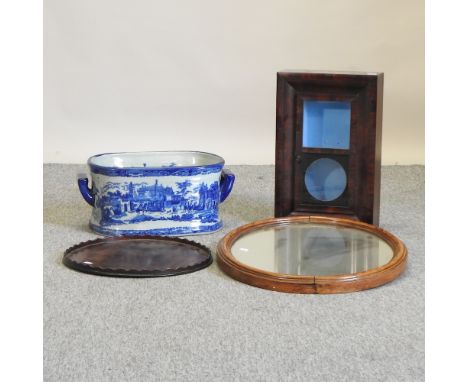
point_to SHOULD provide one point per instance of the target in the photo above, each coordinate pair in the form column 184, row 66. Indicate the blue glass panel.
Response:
column 326, row 124
column 325, row 179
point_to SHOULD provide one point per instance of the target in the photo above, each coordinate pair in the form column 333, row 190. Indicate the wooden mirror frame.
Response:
column 361, row 161
column 312, row 284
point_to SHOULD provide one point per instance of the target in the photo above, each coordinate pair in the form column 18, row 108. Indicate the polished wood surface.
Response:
column 362, row 162
column 312, row 284
column 137, row 256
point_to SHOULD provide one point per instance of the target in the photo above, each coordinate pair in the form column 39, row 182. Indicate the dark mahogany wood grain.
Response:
column 364, row 91
column 138, row 256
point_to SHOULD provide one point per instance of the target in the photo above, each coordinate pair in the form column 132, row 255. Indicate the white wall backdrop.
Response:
column 124, row 75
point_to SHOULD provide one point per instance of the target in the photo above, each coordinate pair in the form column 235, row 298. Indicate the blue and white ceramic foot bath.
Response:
column 156, row 193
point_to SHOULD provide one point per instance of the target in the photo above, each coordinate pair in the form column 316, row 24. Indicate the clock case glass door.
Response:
column 306, row 156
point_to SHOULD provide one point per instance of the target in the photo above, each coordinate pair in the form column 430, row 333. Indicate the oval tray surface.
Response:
column 138, row 256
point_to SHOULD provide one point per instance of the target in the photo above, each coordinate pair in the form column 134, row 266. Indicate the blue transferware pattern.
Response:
column 167, row 200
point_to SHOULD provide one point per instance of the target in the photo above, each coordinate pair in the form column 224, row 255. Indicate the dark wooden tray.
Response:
column 138, row 256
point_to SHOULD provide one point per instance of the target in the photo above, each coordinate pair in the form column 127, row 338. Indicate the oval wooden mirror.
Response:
column 312, row 254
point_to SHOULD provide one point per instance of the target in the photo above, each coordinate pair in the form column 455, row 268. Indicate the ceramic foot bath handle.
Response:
column 85, row 190
column 226, row 183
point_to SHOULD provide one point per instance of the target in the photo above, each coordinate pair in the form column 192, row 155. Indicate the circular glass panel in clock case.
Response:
column 325, row 179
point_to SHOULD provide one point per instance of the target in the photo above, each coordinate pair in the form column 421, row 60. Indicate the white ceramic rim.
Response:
column 111, row 160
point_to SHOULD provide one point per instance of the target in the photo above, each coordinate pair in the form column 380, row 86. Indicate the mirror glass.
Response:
column 311, row 249
column 325, row 179
column 326, row 124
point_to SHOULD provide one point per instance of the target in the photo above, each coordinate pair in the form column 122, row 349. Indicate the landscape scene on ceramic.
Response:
column 129, row 203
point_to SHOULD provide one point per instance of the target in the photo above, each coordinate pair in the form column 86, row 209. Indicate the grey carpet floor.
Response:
column 206, row 326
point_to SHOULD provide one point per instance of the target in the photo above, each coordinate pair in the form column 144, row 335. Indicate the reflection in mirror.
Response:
column 311, row 249
column 326, row 124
